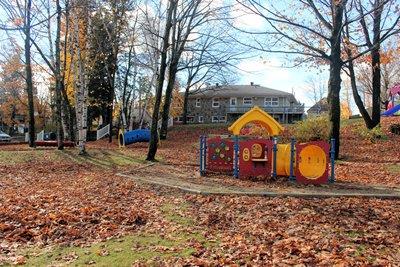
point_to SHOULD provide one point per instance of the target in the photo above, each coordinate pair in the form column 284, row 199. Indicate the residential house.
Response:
column 321, row 107
column 218, row 104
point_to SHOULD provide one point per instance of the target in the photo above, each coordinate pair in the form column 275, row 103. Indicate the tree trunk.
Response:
column 185, row 105
column 68, row 109
column 173, row 69
column 334, row 74
column 28, row 69
column 160, row 83
column 60, row 131
column 80, row 89
column 357, row 97
column 334, row 103
column 376, row 64
column 376, row 88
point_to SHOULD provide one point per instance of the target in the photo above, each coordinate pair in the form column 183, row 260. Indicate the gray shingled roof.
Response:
column 320, row 106
column 240, row 91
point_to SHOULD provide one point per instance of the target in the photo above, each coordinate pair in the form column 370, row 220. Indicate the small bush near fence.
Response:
column 312, row 129
column 372, row 135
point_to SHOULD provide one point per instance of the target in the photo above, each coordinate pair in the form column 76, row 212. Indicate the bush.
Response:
column 370, row 134
column 395, row 128
column 312, row 129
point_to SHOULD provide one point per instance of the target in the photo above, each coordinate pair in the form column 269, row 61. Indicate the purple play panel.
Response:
column 395, row 89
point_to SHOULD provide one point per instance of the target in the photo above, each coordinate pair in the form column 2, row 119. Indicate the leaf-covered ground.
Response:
column 57, row 208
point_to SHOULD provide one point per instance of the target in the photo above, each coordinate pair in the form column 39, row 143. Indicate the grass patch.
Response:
column 121, row 252
column 340, row 162
column 346, row 122
column 104, row 158
column 360, row 250
column 174, row 214
column 25, row 156
column 354, row 234
column 393, row 168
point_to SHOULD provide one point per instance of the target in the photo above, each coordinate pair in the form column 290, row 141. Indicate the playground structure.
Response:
column 393, row 109
column 246, row 157
column 129, row 137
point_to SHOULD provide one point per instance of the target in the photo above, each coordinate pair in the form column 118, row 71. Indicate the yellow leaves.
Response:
column 345, row 111
column 177, row 103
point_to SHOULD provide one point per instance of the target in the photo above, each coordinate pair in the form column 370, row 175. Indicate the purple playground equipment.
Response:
column 392, row 108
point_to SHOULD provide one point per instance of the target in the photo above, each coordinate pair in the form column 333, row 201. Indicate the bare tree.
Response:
column 20, row 12
column 208, row 60
column 189, row 17
column 160, row 82
column 380, row 32
column 312, row 30
column 53, row 61
column 316, row 88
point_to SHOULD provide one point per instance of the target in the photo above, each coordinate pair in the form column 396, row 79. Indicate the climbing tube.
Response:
column 135, row 136
column 311, row 165
column 283, row 160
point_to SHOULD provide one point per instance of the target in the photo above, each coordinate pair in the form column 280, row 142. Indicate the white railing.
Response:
column 103, row 132
column 40, row 136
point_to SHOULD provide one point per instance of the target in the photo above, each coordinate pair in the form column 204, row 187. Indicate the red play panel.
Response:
column 219, row 154
column 255, row 157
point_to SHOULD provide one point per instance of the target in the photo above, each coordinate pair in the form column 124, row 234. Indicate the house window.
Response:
column 190, row 119
column 247, row 101
column 198, row 102
column 179, row 119
column 201, row 119
column 215, row 119
column 215, row 103
column 222, row 119
column 271, row 102
column 233, row 101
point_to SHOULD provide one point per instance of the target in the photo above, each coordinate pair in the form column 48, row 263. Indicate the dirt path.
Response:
column 187, row 180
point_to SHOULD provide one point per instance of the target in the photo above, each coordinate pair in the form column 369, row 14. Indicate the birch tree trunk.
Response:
column 81, row 91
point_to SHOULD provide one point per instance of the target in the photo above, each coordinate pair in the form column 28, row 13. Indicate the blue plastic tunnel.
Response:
column 127, row 138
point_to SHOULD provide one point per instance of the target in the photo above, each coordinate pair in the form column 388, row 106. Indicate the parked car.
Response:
column 4, row 137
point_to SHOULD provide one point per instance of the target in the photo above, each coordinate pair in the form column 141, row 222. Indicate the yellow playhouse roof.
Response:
column 258, row 115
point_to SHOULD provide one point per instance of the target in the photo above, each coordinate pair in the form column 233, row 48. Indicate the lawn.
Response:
column 57, row 208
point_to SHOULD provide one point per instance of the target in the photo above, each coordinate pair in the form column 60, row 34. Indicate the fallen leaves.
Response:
column 54, row 200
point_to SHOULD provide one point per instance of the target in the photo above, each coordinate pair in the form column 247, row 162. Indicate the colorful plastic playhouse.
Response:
column 246, row 157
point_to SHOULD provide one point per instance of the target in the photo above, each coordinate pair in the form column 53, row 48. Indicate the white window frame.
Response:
column 222, row 119
column 201, row 119
column 271, row 101
column 246, row 99
column 198, row 102
column 214, row 119
column 215, row 102
column 230, row 101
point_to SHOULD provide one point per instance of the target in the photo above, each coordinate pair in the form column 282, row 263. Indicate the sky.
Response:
column 270, row 74
column 266, row 69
